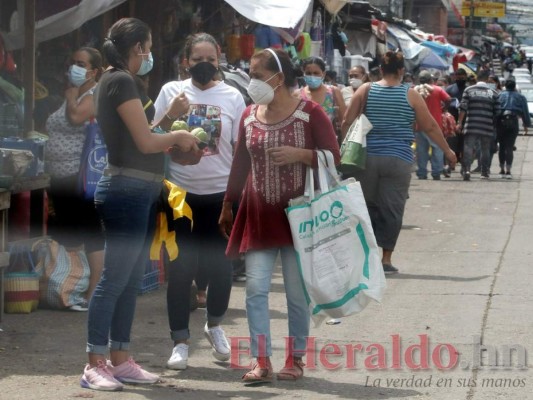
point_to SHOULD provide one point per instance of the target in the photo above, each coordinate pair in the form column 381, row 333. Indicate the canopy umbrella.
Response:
column 432, row 60
column 468, row 70
column 277, row 13
column 68, row 16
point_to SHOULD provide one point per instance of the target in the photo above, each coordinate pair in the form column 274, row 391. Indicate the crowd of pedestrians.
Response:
column 239, row 180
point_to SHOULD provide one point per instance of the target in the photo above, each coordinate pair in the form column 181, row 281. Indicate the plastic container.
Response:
column 316, row 48
column 150, row 280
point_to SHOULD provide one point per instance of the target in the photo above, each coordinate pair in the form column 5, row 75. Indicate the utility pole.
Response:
column 471, row 24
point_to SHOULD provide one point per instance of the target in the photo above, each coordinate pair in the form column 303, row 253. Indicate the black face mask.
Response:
column 460, row 83
column 203, row 72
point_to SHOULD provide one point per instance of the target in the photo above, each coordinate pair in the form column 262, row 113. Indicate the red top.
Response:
column 434, row 100
column 266, row 189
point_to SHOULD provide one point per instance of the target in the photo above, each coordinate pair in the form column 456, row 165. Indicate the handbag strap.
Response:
column 326, row 173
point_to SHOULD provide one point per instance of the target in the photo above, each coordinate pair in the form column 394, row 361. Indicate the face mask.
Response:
column 260, row 91
column 76, row 75
column 313, row 82
column 356, row 82
column 146, row 65
column 492, row 86
column 460, row 83
column 203, row 72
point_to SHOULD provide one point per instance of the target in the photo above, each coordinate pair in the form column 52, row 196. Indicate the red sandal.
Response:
column 292, row 371
column 261, row 371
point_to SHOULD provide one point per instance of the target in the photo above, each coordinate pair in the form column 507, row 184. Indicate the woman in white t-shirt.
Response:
column 206, row 102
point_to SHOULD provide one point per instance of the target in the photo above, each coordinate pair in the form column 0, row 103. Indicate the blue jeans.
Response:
column 259, row 268
column 127, row 207
column 423, row 143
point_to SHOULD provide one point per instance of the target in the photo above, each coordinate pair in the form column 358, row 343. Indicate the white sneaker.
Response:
column 218, row 341
column 179, row 357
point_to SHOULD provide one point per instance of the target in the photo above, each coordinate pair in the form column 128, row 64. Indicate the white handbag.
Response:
column 338, row 256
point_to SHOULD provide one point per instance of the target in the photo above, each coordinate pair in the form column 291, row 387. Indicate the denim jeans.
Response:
column 423, row 143
column 127, row 207
column 259, row 268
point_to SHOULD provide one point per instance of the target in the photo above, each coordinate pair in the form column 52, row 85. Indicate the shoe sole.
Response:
column 177, row 367
column 216, row 354
column 391, row 272
column 136, row 381
column 86, row 385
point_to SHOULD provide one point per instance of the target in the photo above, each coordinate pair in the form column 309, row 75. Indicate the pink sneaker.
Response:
column 99, row 378
column 130, row 372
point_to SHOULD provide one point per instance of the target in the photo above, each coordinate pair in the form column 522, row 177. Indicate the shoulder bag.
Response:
column 353, row 147
column 338, row 256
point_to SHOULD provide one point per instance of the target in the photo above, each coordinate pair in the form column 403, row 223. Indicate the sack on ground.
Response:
column 21, row 282
column 338, row 256
column 64, row 275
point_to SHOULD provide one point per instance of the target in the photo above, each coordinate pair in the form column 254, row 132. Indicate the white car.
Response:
column 521, row 71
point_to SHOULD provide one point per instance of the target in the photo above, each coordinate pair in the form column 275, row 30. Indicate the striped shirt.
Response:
column 392, row 118
column 481, row 105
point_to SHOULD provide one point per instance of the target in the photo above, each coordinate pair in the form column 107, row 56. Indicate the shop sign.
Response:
column 484, row 9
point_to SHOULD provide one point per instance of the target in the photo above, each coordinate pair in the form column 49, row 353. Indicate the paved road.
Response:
column 466, row 262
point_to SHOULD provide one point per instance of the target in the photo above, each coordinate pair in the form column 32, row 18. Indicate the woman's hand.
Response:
column 285, row 155
column 225, row 221
column 451, row 157
column 178, row 106
column 185, row 151
column 185, row 141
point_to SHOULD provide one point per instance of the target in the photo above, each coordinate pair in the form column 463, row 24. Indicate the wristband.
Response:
column 170, row 118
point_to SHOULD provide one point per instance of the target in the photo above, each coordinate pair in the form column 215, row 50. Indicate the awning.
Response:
column 70, row 15
column 278, row 13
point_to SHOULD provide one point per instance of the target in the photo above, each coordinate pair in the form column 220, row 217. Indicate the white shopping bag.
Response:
column 338, row 256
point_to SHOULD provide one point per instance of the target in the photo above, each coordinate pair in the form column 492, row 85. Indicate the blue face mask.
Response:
column 77, row 75
column 146, row 65
column 313, row 82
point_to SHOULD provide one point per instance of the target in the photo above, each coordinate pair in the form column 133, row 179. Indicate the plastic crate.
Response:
column 10, row 122
column 150, row 280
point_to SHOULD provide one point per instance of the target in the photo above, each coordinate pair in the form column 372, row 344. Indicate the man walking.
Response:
column 513, row 106
column 478, row 112
column 435, row 97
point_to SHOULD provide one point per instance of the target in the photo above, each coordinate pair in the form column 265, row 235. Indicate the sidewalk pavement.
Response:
column 465, row 259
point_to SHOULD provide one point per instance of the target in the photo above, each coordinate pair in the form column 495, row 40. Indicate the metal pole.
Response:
column 471, row 24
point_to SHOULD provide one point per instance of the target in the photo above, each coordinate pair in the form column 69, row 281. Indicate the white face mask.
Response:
column 355, row 82
column 260, row 91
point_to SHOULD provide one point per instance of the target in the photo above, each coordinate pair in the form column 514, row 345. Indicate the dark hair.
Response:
column 314, row 60
column 196, row 38
column 510, row 84
column 482, row 76
column 270, row 63
column 392, row 62
column 331, row 74
column 460, row 71
column 95, row 58
column 121, row 37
